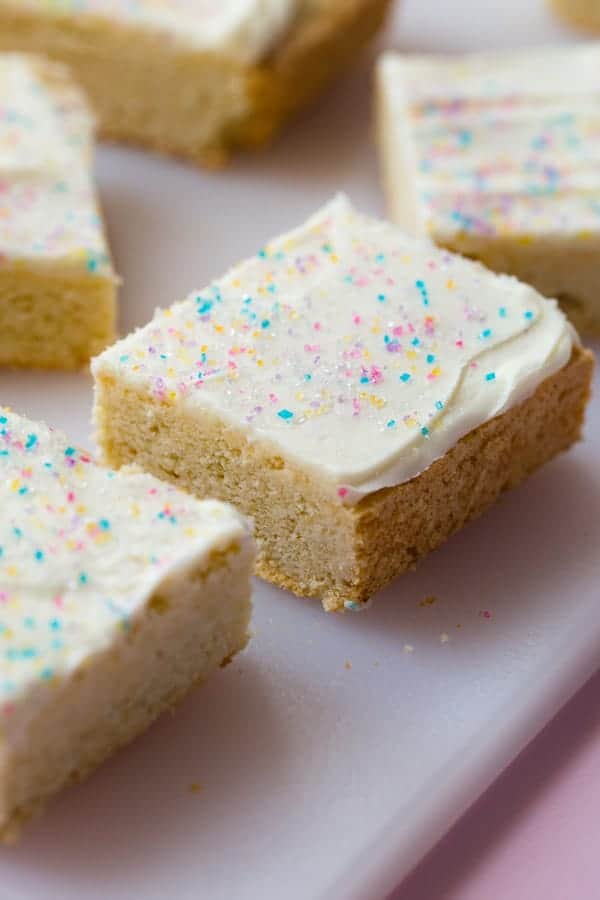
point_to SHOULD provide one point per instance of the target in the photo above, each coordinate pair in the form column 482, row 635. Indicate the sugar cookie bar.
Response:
column 360, row 393
column 117, row 593
column 495, row 156
column 196, row 79
column 581, row 13
column 57, row 285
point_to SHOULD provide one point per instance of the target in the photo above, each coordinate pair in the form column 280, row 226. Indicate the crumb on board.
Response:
column 195, row 787
column 430, row 600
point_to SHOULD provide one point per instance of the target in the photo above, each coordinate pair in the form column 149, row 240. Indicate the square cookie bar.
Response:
column 495, row 156
column 195, row 79
column 117, row 594
column 359, row 393
column 57, row 285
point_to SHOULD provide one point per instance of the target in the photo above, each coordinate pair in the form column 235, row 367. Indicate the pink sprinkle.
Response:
column 273, row 398
column 342, row 492
column 312, row 348
column 356, row 406
column 153, row 491
column 356, row 319
column 8, row 709
column 460, row 344
column 398, row 330
column 376, row 375
column 71, row 497
column 58, row 601
column 317, row 326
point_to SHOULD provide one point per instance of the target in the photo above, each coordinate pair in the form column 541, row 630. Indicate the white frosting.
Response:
column 495, row 144
column 357, row 352
column 81, row 551
column 48, row 209
column 245, row 30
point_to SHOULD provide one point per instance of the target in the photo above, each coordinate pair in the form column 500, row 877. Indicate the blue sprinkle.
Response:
column 405, row 377
column 3, row 420
column 381, row 297
column 308, row 377
column 415, row 342
column 204, row 306
column 46, row 674
column 391, row 423
column 380, row 258
column 124, row 357
column 39, row 555
column 502, row 312
column 104, row 524
column 425, row 431
column 31, row 441
column 54, row 625
column 285, row 414
column 486, row 333
column 430, row 358
column 491, row 376
column 262, row 254
column 265, row 323
column 83, row 579
column 70, row 451
column 23, row 490
column 529, row 315
column 439, row 404
column 364, row 379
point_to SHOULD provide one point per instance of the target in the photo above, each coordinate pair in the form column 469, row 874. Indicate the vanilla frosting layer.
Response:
column 48, row 209
column 355, row 351
column 244, row 30
column 497, row 145
column 81, row 551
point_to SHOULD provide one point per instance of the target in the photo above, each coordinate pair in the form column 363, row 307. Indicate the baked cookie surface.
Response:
column 117, row 593
column 57, row 284
column 493, row 155
column 195, row 79
column 330, row 374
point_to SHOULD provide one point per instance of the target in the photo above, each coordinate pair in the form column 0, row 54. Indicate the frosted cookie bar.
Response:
column 195, row 78
column 359, row 393
column 57, row 285
column 117, row 593
column 582, row 13
column 495, row 156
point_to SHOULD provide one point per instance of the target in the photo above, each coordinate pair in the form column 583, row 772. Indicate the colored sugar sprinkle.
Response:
column 285, row 414
column 490, row 376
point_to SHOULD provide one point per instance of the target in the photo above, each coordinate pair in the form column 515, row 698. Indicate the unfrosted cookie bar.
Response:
column 359, row 393
column 195, row 79
column 57, row 285
column 582, row 13
column 495, row 156
column 117, row 593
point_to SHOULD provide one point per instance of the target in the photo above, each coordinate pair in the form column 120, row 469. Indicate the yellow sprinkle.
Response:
column 451, row 284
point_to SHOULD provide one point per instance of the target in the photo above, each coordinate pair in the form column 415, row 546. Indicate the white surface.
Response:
column 322, row 782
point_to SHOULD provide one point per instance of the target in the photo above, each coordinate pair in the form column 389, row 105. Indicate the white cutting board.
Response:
column 337, row 750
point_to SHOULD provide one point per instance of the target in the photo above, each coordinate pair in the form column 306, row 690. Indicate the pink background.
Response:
column 535, row 833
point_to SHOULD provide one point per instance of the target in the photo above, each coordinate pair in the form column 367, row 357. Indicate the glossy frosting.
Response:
column 48, row 209
column 356, row 351
column 81, row 550
column 244, row 30
column 499, row 144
